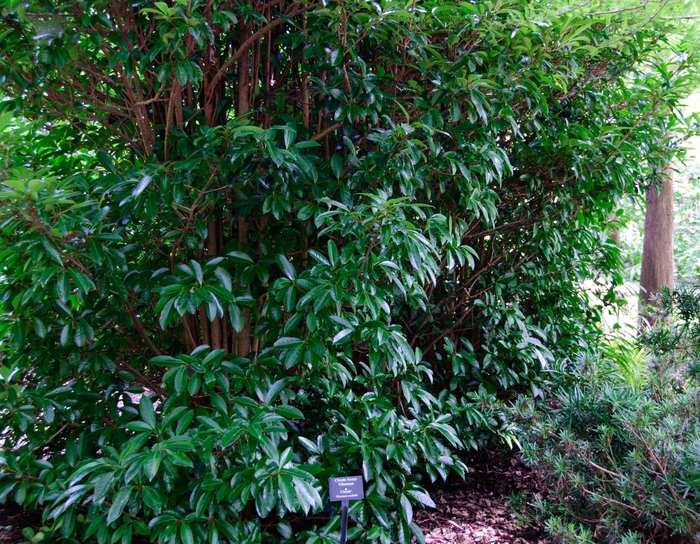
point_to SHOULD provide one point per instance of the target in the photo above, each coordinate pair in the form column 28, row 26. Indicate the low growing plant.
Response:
column 623, row 462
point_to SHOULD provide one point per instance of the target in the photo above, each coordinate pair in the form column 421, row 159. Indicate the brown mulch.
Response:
column 476, row 509
column 469, row 511
column 13, row 519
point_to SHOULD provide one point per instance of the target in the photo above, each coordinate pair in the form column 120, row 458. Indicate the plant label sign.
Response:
column 346, row 488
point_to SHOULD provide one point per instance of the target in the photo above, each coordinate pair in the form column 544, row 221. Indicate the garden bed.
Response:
column 473, row 510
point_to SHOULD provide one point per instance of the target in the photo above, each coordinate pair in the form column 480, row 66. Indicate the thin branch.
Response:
column 575, row 8
column 143, row 380
column 150, row 101
column 620, row 10
column 242, row 50
column 54, row 435
column 322, row 135
column 192, row 210
column 628, row 507
column 680, row 17
column 139, row 328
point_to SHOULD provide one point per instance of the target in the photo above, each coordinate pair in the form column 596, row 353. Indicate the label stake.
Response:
column 345, row 489
column 344, row 522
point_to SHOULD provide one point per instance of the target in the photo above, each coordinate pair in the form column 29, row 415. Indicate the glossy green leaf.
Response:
column 289, row 412
column 147, row 411
column 142, row 184
column 343, row 336
column 337, row 165
column 236, row 316
column 119, row 501
column 286, row 267
column 308, row 497
column 266, row 499
column 84, row 283
column 186, row 534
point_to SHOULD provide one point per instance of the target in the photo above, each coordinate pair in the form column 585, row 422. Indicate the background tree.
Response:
column 657, row 268
column 250, row 246
column 657, row 252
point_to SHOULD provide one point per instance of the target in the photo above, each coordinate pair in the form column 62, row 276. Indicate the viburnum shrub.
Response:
column 247, row 246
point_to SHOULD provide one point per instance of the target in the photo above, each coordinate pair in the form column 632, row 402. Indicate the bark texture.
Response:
column 657, row 251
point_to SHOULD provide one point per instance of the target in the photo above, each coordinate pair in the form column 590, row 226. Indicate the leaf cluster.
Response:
column 246, row 247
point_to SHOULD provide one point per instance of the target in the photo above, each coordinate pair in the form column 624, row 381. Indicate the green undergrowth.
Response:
column 619, row 440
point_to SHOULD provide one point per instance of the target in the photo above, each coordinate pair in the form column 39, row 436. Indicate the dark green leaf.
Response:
column 141, row 187
column 181, row 74
column 186, row 533
column 286, row 489
column 224, row 277
column 308, row 497
column 152, row 498
column 337, row 165
column 165, row 313
column 62, row 287
column 164, row 360
column 406, row 509
column 81, row 280
column 286, row 267
column 274, row 390
column 119, row 501
column 236, row 315
column 198, row 273
column 287, row 342
column 266, row 499
column 151, row 465
column 148, row 414
column 343, row 336
column 240, row 257
column 294, row 355
column 106, row 161
column 290, row 412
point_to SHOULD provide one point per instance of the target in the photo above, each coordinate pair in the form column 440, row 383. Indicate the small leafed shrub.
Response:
column 623, row 462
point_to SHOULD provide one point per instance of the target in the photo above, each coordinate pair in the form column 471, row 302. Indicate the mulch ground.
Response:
column 477, row 510
column 473, row 510
column 12, row 520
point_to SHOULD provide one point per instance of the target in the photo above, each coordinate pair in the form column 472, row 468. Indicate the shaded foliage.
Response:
column 622, row 451
column 249, row 246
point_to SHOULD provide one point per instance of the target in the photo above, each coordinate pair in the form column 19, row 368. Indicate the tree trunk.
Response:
column 657, row 251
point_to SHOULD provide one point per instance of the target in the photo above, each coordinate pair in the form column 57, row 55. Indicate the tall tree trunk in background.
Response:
column 657, row 251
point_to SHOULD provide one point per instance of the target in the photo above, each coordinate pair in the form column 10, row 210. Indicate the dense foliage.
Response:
column 247, row 246
column 622, row 449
